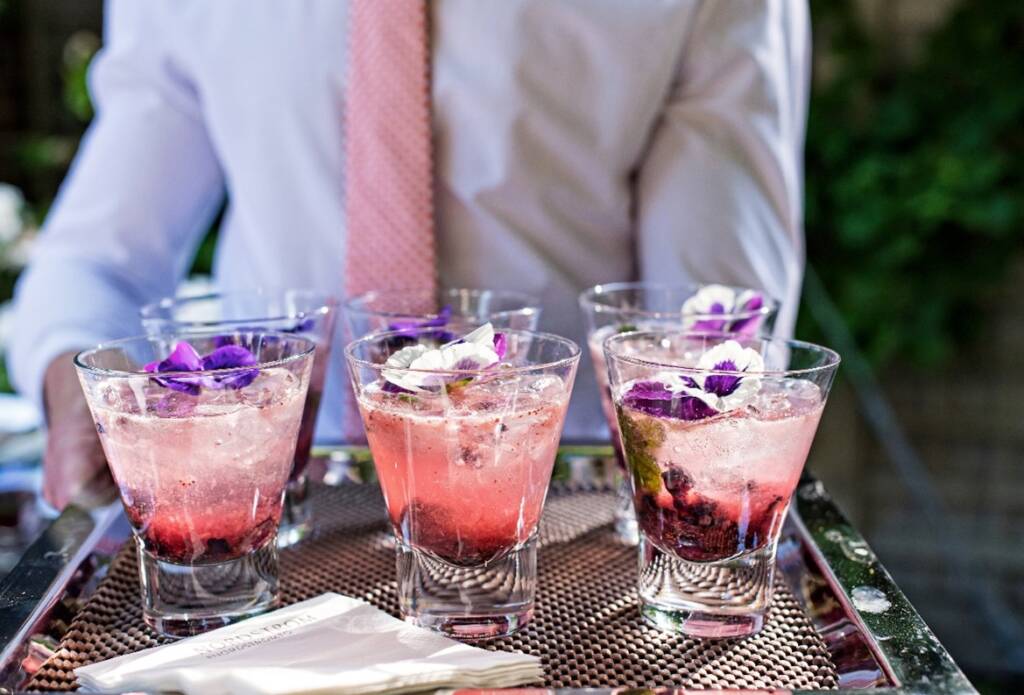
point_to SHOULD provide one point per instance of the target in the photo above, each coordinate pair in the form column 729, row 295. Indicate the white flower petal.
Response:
column 406, row 356
column 745, row 359
column 402, row 360
column 481, row 336
column 706, row 297
column 475, row 351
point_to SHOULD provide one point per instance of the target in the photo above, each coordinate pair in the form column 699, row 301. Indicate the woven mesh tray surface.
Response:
column 587, row 628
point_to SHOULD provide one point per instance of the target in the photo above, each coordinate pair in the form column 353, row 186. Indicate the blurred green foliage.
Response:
column 915, row 176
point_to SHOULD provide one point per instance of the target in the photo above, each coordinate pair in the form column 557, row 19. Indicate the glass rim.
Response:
column 574, row 356
column 307, row 350
column 588, row 300
column 352, row 304
column 834, row 359
column 327, row 301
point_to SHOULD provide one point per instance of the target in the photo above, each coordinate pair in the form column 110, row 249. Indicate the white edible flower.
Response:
column 473, row 352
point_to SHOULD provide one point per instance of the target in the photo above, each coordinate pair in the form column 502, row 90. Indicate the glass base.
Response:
column 297, row 513
column 468, row 603
column 183, row 600
column 727, row 598
column 627, row 530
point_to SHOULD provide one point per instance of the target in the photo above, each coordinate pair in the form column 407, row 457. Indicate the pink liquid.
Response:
column 205, row 487
column 721, row 485
column 464, row 476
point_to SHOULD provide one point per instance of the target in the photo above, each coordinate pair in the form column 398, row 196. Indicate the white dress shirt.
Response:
column 577, row 142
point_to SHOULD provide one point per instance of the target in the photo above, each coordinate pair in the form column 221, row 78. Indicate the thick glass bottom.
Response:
column 468, row 603
column 727, row 598
column 183, row 600
column 297, row 513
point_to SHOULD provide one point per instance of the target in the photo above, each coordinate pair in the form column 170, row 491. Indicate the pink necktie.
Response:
column 389, row 180
column 388, row 159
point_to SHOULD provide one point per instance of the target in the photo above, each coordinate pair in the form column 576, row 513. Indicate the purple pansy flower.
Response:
column 475, row 351
column 686, row 397
column 184, row 358
column 655, row 398
column 701, row 312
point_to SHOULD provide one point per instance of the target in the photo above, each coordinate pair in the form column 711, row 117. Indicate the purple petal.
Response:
column 439, row 321
column 712, row 325
column 654, row 398
column 183, row 358
column 693, row 408
column 750, row 324
column 717, row 308
column 721, row 384
column 228, row 356
column 500, row 345
column 234, row 380
column 747, row 326
column 651, row 397
column 754, row 303
column 181, row 384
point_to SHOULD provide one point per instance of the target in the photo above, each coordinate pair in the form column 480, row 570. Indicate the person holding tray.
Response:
column 537, row 145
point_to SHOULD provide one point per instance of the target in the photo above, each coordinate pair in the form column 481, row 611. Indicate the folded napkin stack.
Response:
column 328, row 644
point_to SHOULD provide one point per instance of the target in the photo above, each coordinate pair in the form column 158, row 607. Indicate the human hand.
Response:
column 74, row 467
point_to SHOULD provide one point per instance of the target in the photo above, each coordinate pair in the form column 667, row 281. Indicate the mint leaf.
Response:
column 626, row 328
column 640, row 438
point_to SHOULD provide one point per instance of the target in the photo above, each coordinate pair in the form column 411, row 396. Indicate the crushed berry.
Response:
column 696, row 528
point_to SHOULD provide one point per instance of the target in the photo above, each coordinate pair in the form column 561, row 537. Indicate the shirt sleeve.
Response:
column 720, row 191
column 144, row 185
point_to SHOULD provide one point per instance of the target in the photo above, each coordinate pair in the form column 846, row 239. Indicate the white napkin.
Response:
column 328, row 644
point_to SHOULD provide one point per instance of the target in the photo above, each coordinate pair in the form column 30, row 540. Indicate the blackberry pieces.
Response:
column 697, row 529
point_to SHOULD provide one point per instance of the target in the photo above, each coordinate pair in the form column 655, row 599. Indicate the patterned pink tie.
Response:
column 389, row 164
column 389, row 180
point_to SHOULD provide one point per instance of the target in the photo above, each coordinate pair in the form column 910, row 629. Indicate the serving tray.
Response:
column 837, row 622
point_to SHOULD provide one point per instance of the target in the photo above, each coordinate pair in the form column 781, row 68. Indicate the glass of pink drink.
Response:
column 464, row 453
column 620, row 307
column 200, row 434
column 715, row 429
column 308, row 313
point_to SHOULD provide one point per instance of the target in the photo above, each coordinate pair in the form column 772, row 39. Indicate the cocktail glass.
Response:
column 308, row 313
column 628, row 306
column 464, row 457
column 715, row 429
column 199, row 431
column 449, row 313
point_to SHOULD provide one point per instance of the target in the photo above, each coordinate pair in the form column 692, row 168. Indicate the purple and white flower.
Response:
column 714, row 307
column 478, row 350
column 697, row 396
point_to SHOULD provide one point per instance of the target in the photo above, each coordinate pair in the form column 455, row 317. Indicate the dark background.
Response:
column 915, row 224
